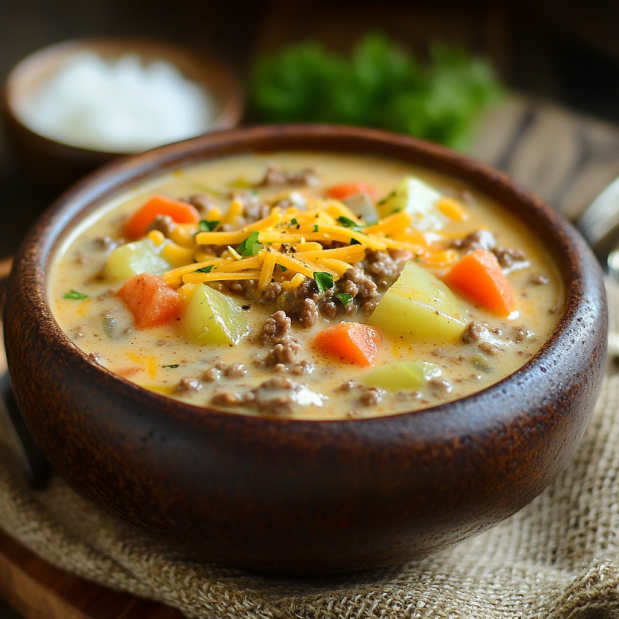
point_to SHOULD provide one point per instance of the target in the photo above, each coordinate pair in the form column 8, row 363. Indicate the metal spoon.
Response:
column 599, row 224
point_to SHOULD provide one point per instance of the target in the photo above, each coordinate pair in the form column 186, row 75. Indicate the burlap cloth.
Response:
column 558, row 557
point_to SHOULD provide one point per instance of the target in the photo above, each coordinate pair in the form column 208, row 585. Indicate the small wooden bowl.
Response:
column 295, row 496
column 58, row 164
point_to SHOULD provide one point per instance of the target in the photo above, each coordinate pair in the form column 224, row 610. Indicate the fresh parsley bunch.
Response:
column 379, row 85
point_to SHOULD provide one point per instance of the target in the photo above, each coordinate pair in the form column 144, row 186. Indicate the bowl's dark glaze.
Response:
column 305, row 496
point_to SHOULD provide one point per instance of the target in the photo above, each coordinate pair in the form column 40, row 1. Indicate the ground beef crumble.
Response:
column 538, row 280
column 479, row 239
column 276, row 332
column 507, row 257
column 372, row 396
column 188, row 385
column 164, row 224
column 473, row 332
column 236, row 370
column 306, row 312
column 490, row 349
column 276, row 177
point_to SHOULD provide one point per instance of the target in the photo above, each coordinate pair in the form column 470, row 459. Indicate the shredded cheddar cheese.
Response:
column 325, row 237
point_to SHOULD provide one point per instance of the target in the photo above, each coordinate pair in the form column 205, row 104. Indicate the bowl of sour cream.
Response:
column 75, row 105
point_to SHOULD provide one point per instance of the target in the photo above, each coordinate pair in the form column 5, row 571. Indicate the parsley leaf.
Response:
column 74, row 294
column 323, row 280
column 207, row 269
column 250, row 246
column 354, row 242
column 347, row 222
column 294, row 222
column 173, row 366
column 344, row 297
column 207, row 226
column 378, row 85
column 283, row 268
column 315, row 228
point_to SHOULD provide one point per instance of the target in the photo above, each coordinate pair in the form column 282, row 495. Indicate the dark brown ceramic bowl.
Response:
column 305, row 496
column 59, row 164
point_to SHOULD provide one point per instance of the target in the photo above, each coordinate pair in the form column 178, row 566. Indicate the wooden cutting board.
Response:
column 39, row 591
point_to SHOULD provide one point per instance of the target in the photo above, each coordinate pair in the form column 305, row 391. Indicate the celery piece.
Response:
column 417, row 198
column 213, row 318
column 419, row 307
column 403, row 375
column 136, row 258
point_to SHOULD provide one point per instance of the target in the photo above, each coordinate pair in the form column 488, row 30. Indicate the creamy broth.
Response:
column 310, row 383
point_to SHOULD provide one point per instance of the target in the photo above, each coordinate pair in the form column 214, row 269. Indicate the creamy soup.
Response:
column 318, row 286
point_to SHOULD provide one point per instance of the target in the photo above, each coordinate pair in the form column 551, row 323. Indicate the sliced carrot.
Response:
column 180, row 212
column 151, row 301
column 479, row 276
column 351, row 342
column 345, row 190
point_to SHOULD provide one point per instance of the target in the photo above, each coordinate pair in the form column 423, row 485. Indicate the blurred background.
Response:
column 563, row 52
column 554, row 126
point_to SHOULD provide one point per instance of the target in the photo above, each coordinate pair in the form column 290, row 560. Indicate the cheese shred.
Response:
column 325, row 237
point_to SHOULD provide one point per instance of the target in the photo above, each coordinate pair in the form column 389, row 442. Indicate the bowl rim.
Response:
column 231, row 106
column 42, row 243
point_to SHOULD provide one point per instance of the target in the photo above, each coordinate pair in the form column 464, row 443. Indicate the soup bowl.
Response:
column 297, row 496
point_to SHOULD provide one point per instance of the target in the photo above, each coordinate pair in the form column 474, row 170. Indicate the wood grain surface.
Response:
column 39, row 591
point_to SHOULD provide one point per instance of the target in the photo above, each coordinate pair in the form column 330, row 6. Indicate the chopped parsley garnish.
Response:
column 315, row 228
column 347, row 222
column 207, row 269
column 323, row 280
column 354, row 242
column 250, row 246
column 283, row 268
column 344, row 297
column 74, row 294
column 294, row 222
column 207, row 226
column 172, row 367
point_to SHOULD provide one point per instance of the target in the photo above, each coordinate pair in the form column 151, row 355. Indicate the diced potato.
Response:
column 136, row 258
column 417, row 198
column 361, row 204
column 404, row 375
column 213, row 318
column 419, row 307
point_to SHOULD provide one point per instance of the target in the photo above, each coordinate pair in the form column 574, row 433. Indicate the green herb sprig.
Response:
column 378, row 85
column 205, row 225
column 323, row 280
column 345, row 298
column 207, row 269
column 250, row 246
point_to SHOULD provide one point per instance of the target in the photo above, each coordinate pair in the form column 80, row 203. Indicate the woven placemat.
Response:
column 556, row 558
